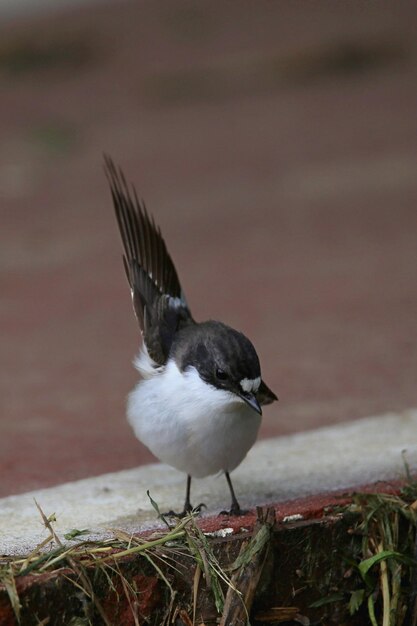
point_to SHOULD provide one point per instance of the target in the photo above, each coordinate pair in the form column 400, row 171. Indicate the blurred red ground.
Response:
column 277, row 149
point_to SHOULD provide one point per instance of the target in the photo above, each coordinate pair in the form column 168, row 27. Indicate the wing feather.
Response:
column 158, row 300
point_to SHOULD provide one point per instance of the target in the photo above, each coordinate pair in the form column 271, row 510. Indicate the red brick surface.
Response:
column 277, row 150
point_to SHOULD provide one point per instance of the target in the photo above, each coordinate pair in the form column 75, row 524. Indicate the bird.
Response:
column 198, row 404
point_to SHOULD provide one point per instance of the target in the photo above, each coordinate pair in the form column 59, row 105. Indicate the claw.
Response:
column 172, row 513
column 187, row 510
column 235, row 511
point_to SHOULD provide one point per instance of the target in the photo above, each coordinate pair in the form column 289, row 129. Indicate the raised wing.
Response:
column 158, row 300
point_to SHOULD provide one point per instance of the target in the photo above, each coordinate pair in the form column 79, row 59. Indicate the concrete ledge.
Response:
column 276, row 470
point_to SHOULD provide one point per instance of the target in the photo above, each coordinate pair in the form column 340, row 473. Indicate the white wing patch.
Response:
column 145, row 365
column 250, row 385
column 175, row 303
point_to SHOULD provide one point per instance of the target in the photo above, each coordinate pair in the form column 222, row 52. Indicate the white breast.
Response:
column 189, row 424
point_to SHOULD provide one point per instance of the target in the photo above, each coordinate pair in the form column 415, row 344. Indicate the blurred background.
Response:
column 276, row 145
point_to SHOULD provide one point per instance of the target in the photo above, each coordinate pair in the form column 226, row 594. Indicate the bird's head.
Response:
column 223, row 357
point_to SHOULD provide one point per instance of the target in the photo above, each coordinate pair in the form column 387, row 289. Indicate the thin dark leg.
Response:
column 187, row 503
column 188, row 507
column 235, row 508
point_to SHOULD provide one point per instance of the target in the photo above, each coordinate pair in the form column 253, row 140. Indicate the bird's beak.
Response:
column 251, row 400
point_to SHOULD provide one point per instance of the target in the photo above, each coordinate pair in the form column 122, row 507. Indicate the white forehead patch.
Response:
column 250, row 385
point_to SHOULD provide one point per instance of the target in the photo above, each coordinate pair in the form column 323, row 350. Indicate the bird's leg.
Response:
column 235, row 508
column 188, row 507
column 187, row 504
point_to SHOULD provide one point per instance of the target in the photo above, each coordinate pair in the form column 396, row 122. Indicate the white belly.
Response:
column 190, row 425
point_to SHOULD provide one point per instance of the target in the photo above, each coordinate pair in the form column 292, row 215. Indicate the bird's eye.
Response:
column 221, row 374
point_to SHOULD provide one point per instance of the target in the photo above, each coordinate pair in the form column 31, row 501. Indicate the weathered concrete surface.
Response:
column 281, row 470
column 277, row 149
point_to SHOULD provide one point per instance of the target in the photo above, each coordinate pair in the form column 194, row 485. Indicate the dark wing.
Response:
column 158, row 300
column 264, row 394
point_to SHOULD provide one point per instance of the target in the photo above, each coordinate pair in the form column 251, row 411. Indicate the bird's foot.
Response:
column 235, row 511
column 172, row 513
column 188, row 509
column 197, row 509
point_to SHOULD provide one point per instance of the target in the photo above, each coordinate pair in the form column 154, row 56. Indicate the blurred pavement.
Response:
column 277, row 149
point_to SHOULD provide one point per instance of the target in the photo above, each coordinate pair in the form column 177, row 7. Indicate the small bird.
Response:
column 198, row 405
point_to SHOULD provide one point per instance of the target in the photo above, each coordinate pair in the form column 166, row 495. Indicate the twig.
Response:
column 385, row 589
column 248, row 565
column 413, row 594
column 77, row 569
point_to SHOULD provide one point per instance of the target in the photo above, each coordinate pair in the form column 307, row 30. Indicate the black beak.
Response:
column 251, row 400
